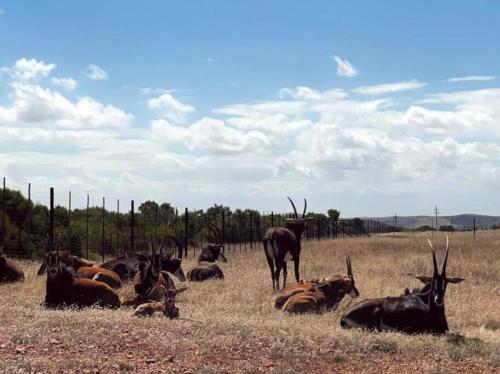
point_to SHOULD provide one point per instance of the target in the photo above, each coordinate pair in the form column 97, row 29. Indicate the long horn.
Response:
column 218, row 232
column 214, row 232
column 443, row 271
column 349, row 266
column 161, row 245
column 151, row 245
column 434, row 261
column 305, row 208
column 294, row 209
column 177, row 244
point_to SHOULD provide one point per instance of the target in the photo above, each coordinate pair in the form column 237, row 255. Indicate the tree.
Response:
column 334, row 214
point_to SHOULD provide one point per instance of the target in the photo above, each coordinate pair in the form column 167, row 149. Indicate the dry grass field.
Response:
column 231, row 326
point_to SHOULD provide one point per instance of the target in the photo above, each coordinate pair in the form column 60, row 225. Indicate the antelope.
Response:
column 324, row 294
column 283, row 243
column 167, row 308
column 9, row 270
column 100, row 274
column 126, row 266
column 150, row 278
column 64, row 288
column 213, row 251
column 68, row 259
column 416, row 312
column 204, row 271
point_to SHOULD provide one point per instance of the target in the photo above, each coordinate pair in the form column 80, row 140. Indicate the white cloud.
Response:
column 152, row 91
column 471, row 78
column 66, row 83
column 35, row 105
column 345, row 68
column 169, row 107
column 96, row 73
column 385, row 88
column 28, row 69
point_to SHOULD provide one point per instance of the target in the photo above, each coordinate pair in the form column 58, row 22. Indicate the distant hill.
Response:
column 461, row 221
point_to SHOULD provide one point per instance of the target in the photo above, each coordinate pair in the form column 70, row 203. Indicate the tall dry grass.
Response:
column 235, row 317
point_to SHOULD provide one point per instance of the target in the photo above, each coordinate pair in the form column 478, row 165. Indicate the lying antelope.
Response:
column 64, row 288
column 126, row 266
column 68, row 260
column 167, row 307
column 283, row 243
column 150, row 279
column 204, row 271
column 101, row 275
column 315, row 296
column 9, row 270
column 213, row 251
column 416, row 312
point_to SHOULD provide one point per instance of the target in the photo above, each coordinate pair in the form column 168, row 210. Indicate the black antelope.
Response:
column 204, row 271
column 150, row 279
column 167, row 307
column 318, row 295
column 282, row 244
column 416, row 312
column 213, row 251
column 127, row 265
column 64, row 288
column 9, row 270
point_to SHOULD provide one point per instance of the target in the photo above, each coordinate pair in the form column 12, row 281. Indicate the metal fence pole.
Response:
column 117, row 225
column 102, row 238
column 87, row 228
column 186, row 232
column 51, row 220
column 3, row 213
column 132, row 226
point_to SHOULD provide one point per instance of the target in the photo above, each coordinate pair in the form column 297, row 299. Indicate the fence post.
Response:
column 474, row 226
column 102, row 239
column 3, row 214
column 132, row 226
column 117, row 225
column 319, row 228
column 87, row 229
column 223, row 228
column 186, row 232
column 51, row 220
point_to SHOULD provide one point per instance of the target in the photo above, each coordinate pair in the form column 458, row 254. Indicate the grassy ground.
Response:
column 231, row 326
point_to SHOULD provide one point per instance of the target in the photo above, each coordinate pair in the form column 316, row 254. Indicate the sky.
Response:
column 372, row 108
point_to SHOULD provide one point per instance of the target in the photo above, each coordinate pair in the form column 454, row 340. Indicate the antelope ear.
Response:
column 424, row 278
column 454, row 280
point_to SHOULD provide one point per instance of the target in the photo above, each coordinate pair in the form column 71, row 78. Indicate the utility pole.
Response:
column 436, row 212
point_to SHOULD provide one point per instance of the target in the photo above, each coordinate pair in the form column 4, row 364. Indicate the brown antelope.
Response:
column 101, row 275
column 204, row 271
column 68, row 260
column 324, row 294
column 416, row 312
column 64, row 288
column 283, row 243
column 167, row 307
column 9, row 270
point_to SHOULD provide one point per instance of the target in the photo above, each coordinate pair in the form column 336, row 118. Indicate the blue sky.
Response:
column 243, row 102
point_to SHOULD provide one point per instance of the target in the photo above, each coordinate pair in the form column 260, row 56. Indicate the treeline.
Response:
column 24, row 226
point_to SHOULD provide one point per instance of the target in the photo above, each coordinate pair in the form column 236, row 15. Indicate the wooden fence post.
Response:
column 132, row 226
column 51, row 220
column 87, row 229
column 102, row 237
column 186, row 232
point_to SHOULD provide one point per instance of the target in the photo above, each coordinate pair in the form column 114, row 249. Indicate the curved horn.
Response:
column 177, row 244
column 213, row 230
column 434, row 261
column 294, row 209
column 349, row 266
column 161, row 245
column 443, row 271
column 305, row 208
column 151, row 245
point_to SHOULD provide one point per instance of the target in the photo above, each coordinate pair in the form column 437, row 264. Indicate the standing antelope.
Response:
column 416, row 312
column 283, row 243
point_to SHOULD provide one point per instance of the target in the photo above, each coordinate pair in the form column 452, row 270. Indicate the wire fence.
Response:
column 115, row 227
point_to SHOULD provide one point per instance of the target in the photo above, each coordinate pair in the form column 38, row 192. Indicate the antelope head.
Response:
column 353, row 292
column 52, row 261
column 438, row 282
column 156, row 258
column 217, row 247
column 173, row 264
column 296, row 224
